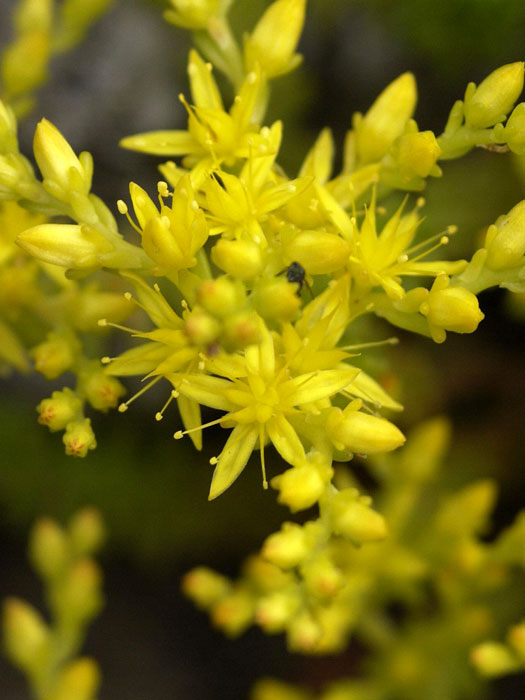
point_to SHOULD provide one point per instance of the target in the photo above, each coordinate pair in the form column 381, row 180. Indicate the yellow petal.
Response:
column 233, row 459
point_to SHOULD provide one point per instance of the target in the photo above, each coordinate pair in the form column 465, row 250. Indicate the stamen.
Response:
column 442, row 241
column 374, row 344
column 180, row 433
column 124, row 406
column 450, row 231
column 104, row 323
column 261, row 448
column 173, row 395
column 123, row 209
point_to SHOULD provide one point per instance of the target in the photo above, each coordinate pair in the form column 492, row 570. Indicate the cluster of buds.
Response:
column 73, row 581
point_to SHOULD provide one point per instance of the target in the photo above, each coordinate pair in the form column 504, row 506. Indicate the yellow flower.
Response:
column 214, row 135
column 258, row 394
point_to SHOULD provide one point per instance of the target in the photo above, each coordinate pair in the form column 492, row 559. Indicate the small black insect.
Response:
column 296, row 274
column 218, row 179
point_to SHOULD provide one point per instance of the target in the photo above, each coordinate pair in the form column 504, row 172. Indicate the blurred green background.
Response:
column 152, row 491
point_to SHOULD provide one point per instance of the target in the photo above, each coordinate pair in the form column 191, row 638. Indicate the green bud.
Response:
column 234, row 613
column 55, row 356
column 80, row 680
column 48, row 548
column 205, row 587
column 273, row 611
column 241, row 259
column 493, row 659
column 276, row 299
column 288, row 547
column 221, row 297
column 79, row 597
column 86, row 531
column 505, row 241
column 493, row 99
column 79, row 438
column 353, row 518
column 26, row 636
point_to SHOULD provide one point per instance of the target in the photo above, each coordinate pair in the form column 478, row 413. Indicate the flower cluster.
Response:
column 253, row 281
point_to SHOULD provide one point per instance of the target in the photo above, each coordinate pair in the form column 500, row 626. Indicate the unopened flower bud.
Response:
column 8, row 140
column 493, row 99
column 48, row 548
column 322, row 577
column 320, row 253
column 517, row 639
column 288, row 547
column 450, row 309
column 80, row 680
column 273, row 41
column 386, row 119
column 102, row 392
column 26, row 636
column 79, row 438
column 265, row 575
column 240, row 330
column 86, row 531
column 233, row 613
column 205, row 587
column 57, row 161
column 362, row 433
column 493, row 659
column 302, row 486
column 221, row 297
column 192, row 14
column 55, row 356
column 201, row 328
column 241, row 259
column 303, row 633
column 353, row 518
column 59, row 410
column 418, row 153
column 272, row 689
column 67, row 245
column 505, row 240
column 276, row 299
column 159, row 242
column 273, row 611
column 89, row 306
column 513, row 134
column 79, row 597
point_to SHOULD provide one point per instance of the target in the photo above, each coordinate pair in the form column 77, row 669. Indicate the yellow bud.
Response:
column 288, row 547
column 450, row 309
column 241, row 259
column 240, row 330
column 79, row 438
column 271, row 689
column 491, row 101
column 276, row 299
column 386, row 119
column 353, row 518
column 304, row 632
column 80, row 680
column 59, row 410
column 143, row 206
column 25, row 62
column 26, row 636
column 162, row 247
column 89, row 306
column 102, row 392
column 233, row 613
column 192, row 14
column 320, row 253
column 321, row 577
column 418, row 153
column 221, row 297
column 55, row 356
column 273, row 41
column 514, row 131
column 301, row 486
column 493, row 659
column 273, row 611
column 58, row 162
column 266, row 576
column 205, row 587
column 79, row 596
column 48, row 548
column 201, row 328
column 67, row 245
column 505, row 241
column 86, row 531
column 8, row 140
column 517, row 639
column 362, row 433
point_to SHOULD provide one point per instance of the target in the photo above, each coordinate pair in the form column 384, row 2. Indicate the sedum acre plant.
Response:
column 253, row 281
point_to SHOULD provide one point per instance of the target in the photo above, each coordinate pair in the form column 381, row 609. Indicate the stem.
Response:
column 219, row 46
